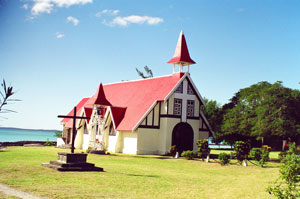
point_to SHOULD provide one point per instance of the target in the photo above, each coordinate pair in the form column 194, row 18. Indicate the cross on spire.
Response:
column 181, row 55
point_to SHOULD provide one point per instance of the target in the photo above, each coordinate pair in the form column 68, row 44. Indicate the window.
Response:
column 190, row 108
column 190, row 91
column 112, row 129
column 85, row 129
column 179, row 88
column 177, row 106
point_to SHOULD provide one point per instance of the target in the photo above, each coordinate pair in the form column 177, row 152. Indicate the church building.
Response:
column 144, row 116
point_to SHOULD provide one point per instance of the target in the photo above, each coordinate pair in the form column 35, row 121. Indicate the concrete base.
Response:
column 72, row 162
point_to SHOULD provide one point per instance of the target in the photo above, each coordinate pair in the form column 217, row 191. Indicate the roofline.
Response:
column 112, row 117
column 145, row 115
column 172, row 91
column 137, row 80
column 198, row 93
column 209, row 127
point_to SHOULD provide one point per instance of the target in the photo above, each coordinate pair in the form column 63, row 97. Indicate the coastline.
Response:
column 22, row 143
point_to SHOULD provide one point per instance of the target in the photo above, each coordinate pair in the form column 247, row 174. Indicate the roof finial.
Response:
column 181, row 55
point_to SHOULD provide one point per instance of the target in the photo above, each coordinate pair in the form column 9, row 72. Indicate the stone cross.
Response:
column 74, row 117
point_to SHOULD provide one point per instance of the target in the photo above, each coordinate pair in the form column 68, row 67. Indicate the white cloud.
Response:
column 46, row 6
column 25, row 6
column 73, row 20
column 134, row 19
column 59, row 35
column 107, row 12
column 41, row 7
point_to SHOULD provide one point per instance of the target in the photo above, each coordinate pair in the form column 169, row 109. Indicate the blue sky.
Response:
column 55, row 52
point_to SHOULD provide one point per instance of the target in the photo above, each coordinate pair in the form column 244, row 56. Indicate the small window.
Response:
column 177, row 106
column 179, row 88
column 112, row 129
column 190, row 108
column 85, row 129
column 190, row 91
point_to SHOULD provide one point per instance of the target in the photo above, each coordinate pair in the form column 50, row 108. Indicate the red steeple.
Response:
column 181, row 55
column 99, row 97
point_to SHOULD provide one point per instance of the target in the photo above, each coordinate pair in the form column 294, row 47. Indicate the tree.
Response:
column 148, row 71
column 262, row 110
column 214, row 114
column 6, row 97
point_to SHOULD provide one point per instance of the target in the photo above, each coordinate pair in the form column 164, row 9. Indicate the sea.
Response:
column 16, row 134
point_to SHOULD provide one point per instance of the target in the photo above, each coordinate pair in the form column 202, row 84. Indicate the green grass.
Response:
column 129, row 176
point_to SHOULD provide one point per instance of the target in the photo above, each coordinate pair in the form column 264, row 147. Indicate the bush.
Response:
column 58, row 134
column 266, row 147
column 172, row 150
column 287, row 185
column 261, row 156
column 49, row 143
column 203, row 149
column 242, row 150
column 282, row 155
column 224, row 158
column 189, row 155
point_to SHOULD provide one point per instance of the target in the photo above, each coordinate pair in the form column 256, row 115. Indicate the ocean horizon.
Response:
column 18, row 134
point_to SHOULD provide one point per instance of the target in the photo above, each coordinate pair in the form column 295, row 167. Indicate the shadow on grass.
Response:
column 138, row 175
column 142, row 156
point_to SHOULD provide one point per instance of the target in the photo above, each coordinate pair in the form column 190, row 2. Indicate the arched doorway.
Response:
column 183, row 137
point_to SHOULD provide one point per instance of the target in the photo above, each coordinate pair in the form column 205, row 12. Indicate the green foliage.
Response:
column 49, row 143
column 5, row 97
column 189, row 155
column 224, row 158
column 242, row 150
column 203, row 148
column 261, row 110
column 148, row 71
column 287, row 185
column 282, row 155
column 261, row 156
column 58, row 134
column 88, row 150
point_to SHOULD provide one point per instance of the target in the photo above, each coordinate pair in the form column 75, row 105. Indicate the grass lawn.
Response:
column 129, row 176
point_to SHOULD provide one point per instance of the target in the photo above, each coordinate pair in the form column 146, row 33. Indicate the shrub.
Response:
column 255, row 154
column 172, row 149
column 242, row 150
column 203, row 149
column 189, row 155
column 287, row 184
column 282, row 155
column 266, row 147
column 49, row 143
column 88, row 150
column 58, row 134
column 224, row 158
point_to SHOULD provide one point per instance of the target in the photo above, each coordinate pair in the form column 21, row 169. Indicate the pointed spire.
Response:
column 181, row 55
column 99, row 97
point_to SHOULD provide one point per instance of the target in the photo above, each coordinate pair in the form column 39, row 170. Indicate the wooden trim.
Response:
column 159, row 114
column 168, row 107
column 153, row 112
column 202, row 129
column 149, row 127
column 170, row 116
column 192, row 118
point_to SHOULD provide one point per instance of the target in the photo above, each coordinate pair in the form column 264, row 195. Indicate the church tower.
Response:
column 181, row 56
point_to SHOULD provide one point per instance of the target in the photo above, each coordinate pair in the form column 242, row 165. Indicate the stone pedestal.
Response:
column 72, row 162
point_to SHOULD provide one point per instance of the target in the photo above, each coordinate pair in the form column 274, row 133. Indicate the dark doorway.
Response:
column 183, row 137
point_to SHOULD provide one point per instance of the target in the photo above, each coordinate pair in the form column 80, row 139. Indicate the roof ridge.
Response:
column 142, row 79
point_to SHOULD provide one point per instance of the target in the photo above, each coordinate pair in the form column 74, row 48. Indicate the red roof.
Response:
column 88, row 112
column 78, row 107
column 137, row 97
column 132, row 99
column 117, row 115
column 181, row 55
column 99, row 97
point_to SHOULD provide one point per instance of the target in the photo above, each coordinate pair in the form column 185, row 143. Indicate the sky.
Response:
column 55, row 52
